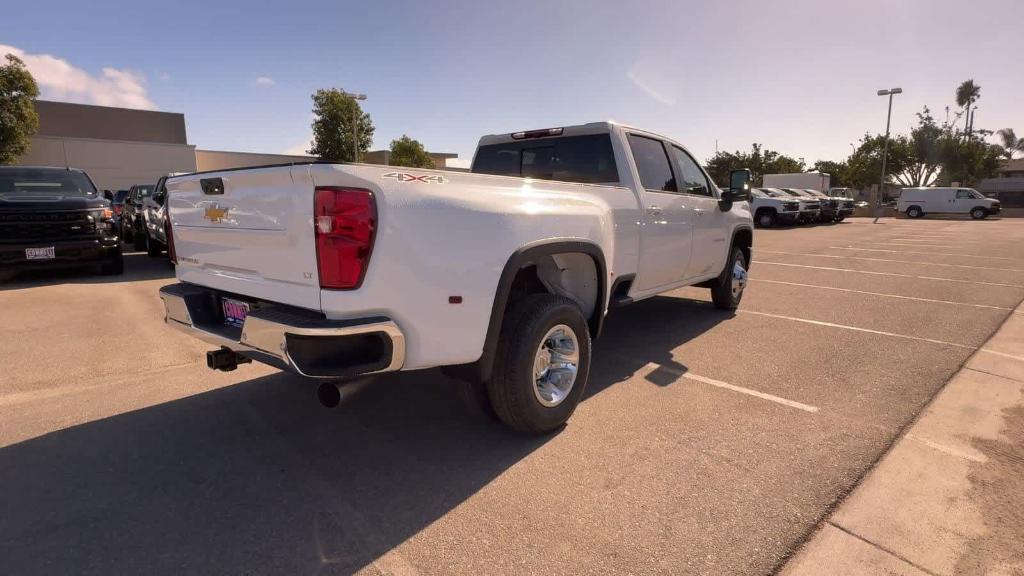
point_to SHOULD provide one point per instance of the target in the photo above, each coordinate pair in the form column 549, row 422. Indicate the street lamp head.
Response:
column 890, row 91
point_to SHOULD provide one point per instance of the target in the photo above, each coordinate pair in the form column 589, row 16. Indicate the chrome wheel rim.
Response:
column 739, row 276
column 766, row 220
column 555, row 366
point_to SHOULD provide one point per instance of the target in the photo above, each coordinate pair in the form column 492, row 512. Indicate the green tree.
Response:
column 967, row 93
column 759, row 161
column 336, row 116
column 864, row 166
column 1010, row 143
column 408, row 152
column 18, row 117
column 836, row 170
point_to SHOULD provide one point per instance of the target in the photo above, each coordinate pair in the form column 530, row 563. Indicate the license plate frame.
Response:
column 40, row 253
column 235, row 311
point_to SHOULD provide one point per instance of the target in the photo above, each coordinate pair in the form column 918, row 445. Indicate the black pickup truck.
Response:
column 54, row 218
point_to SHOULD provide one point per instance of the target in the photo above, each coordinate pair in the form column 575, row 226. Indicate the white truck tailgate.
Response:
column 248, row 231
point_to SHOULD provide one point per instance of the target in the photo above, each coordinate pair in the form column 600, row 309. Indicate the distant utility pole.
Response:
column 885, row 149
column 355, row 124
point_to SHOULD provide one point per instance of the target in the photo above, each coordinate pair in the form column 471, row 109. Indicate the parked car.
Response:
column 54, row 217
column 132, row 226
column 502, row 275
column 833, row 208
column 772, row 208
column 810, row 206
column 154, row 220
column 916, row 202
column 117, row 205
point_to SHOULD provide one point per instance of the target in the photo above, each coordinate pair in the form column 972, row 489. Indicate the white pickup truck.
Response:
column 502, row 275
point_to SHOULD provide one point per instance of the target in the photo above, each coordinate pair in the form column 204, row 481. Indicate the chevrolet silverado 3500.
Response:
column 502, row 276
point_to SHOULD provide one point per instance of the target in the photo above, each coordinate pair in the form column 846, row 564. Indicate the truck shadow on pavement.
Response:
column 137, row 267
column 257, row 478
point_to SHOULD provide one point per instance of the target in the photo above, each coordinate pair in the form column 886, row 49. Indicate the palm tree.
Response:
column 1011, row 143
column 967, row 93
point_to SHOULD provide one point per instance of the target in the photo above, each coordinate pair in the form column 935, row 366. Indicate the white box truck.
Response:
column 814, row 180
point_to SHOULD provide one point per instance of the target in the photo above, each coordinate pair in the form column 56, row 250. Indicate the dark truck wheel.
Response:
column 542, row 364
column 766, row 218
column 138, row 239
column 727, row 291
column 914, row 212
column 979, row 213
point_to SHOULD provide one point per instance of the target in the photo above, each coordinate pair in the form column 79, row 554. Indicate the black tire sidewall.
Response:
column 530, row 321
column 981, row 213
column 721, row 293
column 770, row 219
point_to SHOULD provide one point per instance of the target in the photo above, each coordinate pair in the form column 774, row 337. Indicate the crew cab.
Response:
column 772, row 208
column 502, row 276
column 54, row 218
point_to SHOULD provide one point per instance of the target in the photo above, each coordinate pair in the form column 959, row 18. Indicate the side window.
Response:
column 964, row 194
column 652, row 164
column 691, row 179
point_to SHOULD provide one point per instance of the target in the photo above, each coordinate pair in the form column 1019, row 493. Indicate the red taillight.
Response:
column 345, row 220
column 118, row 208
column 170, row 241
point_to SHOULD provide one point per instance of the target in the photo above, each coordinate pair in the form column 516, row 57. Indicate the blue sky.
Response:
column 798, row 76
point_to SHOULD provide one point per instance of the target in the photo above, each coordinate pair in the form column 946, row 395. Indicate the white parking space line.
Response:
column 859, row 329
column 897, row 261
column 888, row 274
column 921, row 252
column 726, row 386
column 901, row 297
column 1003, row 354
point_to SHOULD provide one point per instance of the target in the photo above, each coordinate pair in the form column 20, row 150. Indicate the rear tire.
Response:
column 914, row 212
column 840, row 218
column 727, row 291
column 766, row 219
column 138, row 239
column 542, row 364
column 979, row 213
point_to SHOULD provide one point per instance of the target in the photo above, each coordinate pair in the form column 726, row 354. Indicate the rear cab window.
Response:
column 586, row 159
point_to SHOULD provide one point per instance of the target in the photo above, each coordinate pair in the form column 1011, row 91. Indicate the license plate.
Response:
column 40, row 253
column 235, row 311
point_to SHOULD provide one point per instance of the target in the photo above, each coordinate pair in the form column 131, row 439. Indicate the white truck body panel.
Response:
column 440, row 235
column 814, row 180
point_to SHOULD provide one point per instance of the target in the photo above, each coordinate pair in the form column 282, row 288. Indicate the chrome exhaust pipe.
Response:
column 334, row 394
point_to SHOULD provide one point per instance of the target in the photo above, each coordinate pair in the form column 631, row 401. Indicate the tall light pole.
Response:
column 355, row 123
column 885, row 149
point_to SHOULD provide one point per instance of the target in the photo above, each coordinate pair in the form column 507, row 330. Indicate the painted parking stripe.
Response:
column 888, row 274
column 897, row 261
column 726, row 386
column 920, row 252
column 859, row 329
column 900, row 296
column 1003, row 354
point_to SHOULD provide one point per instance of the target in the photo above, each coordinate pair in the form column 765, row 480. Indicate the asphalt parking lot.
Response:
column 709, row 443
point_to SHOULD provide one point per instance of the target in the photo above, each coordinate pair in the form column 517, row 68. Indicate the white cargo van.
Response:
column 916, row 202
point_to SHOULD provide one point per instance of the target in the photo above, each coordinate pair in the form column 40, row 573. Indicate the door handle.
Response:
column 699, row 211
column 654, row 210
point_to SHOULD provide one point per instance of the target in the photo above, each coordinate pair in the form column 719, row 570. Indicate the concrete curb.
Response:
column 946, row 498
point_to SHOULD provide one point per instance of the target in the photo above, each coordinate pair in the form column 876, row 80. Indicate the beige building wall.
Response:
column 112, row 164
column 207, row 160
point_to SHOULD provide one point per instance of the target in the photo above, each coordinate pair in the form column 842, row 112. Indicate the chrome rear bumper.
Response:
column 289, row 338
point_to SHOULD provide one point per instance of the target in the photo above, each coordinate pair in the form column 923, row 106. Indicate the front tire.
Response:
column 766, row 219
column 914, row 212
column 542, row 365
column 979, row 213
column 727, row 290
column 153, row 247
column 138, row 239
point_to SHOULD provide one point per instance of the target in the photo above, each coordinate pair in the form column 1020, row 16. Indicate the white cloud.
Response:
column 265, row 81
column 59, row 80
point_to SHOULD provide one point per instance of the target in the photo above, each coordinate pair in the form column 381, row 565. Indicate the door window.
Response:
column 652, row 163
column 964, row 194
column 691, row 178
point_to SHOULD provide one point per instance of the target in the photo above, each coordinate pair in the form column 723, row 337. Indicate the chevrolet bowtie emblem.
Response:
column 216, row 213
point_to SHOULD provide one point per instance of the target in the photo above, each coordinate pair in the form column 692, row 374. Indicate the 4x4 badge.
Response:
column 426, row 178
